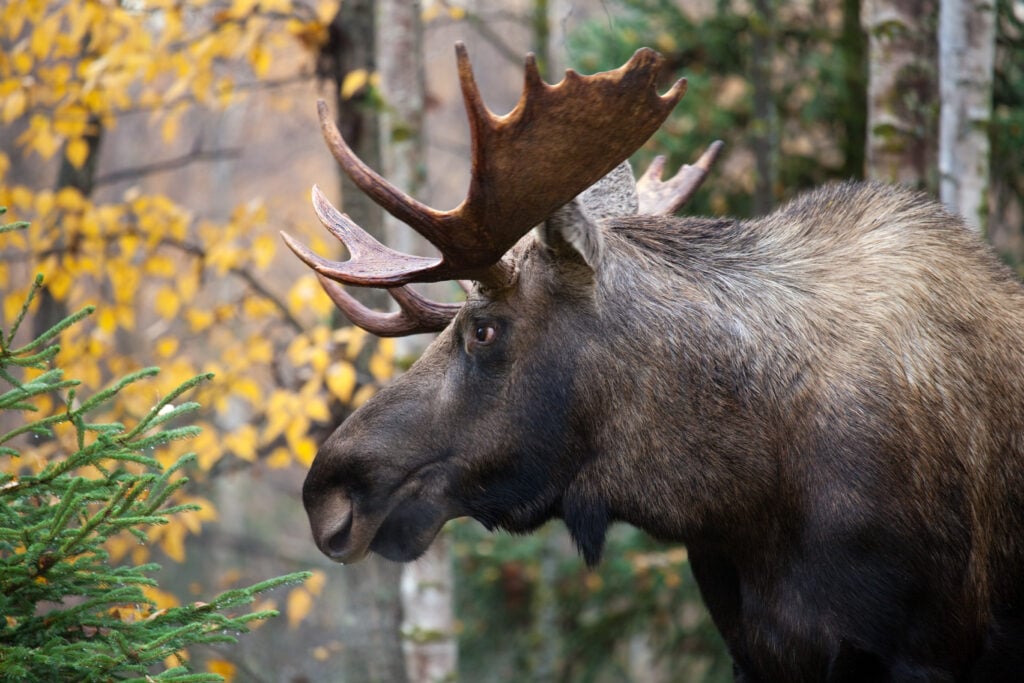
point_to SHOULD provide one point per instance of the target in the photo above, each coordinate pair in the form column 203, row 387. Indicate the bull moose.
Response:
column 826, row 405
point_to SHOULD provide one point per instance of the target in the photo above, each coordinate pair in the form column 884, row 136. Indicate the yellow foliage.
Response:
column 306, row 295
column 299, row 604
column 222, row 667
column 167, row 347
column 242, row 442
column 262, row 252
column 341, row 380
column 162, row 599
column 76, row 151
column 14, row 105
column 305, row 451
column 173, row 287
column 199, row 320
column 382, row 361
column 279, row 458
column 167, row 303
column 171, row 537
column 354, row 81
column 315, row 583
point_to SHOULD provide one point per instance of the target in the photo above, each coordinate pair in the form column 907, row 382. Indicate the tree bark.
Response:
column 766, row 117
column 967, row 32
column 371, row 614
column 428, row 627
column 351, row 47
column 901, row 91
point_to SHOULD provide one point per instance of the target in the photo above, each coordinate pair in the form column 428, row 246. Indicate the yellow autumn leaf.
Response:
column 172, row 540
column 315, row 583
column 160, row 266
column 162, row 599
column 306, row 294
column 13, row 106
column 305, row 451
column 354, row 81
column 260, row 350
column 221, row 667
column 381, row 366
column 242, row 442
column 341, row 380
column 249, row 389
column 430, row 12
column 259, row 58
column 300, row 603
column 70, row 199
column 58, row 284
column 39, row 136
column 106, row 321
column 169, row 128
column 209, row 449
column 318, row 359
column 167, row 303
column 262, row 252
column 167, row 347
column 77, row 151
column 279, row 458
column 118, row 546
column 363, row 395
column 241, row 8
column 44, row 202
column 199, row 320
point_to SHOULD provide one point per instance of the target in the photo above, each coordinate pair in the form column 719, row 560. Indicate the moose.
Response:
column 826, row 405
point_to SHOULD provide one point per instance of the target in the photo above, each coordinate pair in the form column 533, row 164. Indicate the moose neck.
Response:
column 681, row 411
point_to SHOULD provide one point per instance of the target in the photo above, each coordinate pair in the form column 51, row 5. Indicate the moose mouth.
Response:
column 401, row 532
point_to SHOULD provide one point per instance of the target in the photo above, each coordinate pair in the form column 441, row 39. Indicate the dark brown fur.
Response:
column 826, row 405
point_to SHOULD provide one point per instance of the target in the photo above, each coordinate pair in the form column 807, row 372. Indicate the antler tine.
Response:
column 416, row 313
column 371, row 263
column 664, row 197
column 420, row 217
column 557, row 141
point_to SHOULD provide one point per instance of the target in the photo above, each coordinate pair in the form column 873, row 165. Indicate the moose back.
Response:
column 826, row 405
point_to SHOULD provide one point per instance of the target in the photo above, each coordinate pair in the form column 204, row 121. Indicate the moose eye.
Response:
column 484, row 334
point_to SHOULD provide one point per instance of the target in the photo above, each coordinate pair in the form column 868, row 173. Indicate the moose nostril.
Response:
column 337, row 543
column 331, row 518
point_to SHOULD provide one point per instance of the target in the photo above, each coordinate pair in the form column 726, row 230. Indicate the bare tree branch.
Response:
column 195, row 155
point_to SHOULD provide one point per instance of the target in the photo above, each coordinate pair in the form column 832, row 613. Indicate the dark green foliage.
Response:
column 642, row 591
column 817, row 89
column 67, row 612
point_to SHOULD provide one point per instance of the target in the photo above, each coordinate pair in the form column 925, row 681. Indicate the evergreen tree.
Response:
column 68, row 613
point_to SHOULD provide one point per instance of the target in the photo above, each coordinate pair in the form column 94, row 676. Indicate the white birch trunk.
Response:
column 901, row 90
column 967, row 31
column 428, row 623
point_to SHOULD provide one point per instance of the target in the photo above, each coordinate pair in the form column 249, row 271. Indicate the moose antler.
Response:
column 556, row 142
column 664, row 197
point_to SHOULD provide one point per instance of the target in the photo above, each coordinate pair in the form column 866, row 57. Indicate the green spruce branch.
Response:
column 66, row 611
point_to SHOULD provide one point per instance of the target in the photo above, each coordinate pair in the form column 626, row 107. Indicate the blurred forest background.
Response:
column 158, row 146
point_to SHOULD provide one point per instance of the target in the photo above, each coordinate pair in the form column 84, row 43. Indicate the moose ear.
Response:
column 573, row 229
column 570, row 233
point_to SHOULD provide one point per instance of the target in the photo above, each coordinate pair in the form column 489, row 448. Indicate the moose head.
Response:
column 490, row 422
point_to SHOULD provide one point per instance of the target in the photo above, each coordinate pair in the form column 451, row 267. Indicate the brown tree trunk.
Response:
column 967, row 41
column 428, row 626
column 902, row 120
column 766, row 117
column 371, row 612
